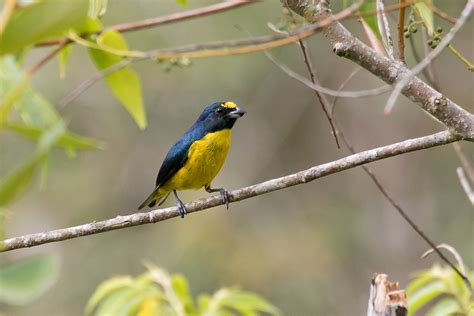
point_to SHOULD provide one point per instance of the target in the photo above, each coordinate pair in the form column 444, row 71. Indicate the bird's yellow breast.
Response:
column 205, row 159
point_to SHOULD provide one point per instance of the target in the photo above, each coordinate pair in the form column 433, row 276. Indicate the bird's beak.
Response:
column 236, row 113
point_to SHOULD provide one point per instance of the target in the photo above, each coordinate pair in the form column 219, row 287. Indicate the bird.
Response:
column 197, row 157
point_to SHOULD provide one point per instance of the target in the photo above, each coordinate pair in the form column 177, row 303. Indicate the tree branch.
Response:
column 347, row 45
column 301, row 177
column 160, row 20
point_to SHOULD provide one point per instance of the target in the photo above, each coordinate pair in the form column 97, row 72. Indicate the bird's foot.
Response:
column 181, row 208
column 225, row 197
column 224, row 194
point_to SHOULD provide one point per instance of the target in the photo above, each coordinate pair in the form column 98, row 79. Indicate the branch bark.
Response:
column 301, row 177
column 346, row 45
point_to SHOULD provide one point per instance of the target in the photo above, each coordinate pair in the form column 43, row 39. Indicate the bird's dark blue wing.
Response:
column 178, row 154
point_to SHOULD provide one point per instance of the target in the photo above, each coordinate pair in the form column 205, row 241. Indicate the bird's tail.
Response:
column 155, row 197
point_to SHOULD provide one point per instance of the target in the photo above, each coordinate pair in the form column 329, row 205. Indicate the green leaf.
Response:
column 113, row 302
column 203, row 303
column 421, row 279
column 445, row 307
column 107, row 288
column 18, row 179
column 182, row 2
column 67, row 140
column 181, row 288
column 41, row 20
column 124, row 83
column 23, row 281
column 63, row 58
column 424, row 295
column 88, row 25
column 371, row 20
column 32, row 107
column 246, row 301
column 424, row 13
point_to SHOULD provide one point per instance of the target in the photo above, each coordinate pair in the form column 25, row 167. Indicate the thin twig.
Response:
column 466, row 12
column 453, row 251
column 31, row 71
column 407, row 218
column 309, row 67
column 301, row 177
column 401, row 37
column 318, row 95
column 342, row 86
column 384, row 28
column 429, row 71
column 161, row 20
column 322, row 98
column 465, row 184
column 81, row 88
column 443, row 15
column 464, row 162
column 335, row 93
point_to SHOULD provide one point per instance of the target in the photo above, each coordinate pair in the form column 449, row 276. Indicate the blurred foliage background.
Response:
column 310, row 250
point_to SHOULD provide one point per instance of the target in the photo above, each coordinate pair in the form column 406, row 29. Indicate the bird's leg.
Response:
column 224, row 193
column 180, row 205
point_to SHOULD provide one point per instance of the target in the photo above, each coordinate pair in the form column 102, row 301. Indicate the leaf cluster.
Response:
column 156, row 292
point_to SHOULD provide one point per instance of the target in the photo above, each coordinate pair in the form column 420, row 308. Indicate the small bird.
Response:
column 197, row 157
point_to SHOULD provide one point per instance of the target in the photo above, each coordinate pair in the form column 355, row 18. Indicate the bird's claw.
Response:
column 181, row 208
column 225, row 197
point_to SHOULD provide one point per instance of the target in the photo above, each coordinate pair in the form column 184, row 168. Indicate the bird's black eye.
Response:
column 220, row 110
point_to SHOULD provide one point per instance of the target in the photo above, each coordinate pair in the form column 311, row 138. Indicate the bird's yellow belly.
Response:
column 205, row 159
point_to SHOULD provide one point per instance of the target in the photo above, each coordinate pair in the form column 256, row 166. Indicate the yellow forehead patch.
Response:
column 229, row 105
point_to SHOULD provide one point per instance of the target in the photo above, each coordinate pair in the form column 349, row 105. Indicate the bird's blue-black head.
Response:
column 219, row 115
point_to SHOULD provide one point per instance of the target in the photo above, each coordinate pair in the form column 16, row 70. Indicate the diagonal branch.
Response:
column 301, row 177
column 345, row 44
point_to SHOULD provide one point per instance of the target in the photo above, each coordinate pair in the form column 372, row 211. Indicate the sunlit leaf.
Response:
column 15, row 182
column 33, row 108
column 149, row 307
column 106, row 288
column 181, row 288
column 182, row 2
column 88, row 25
column 444, row 307
column 112, row 303
column 424, row 295
column 246, row 302
column 124, row 83
column 424, row 13
column 25, row 280
column 41, row 20
column 203, row 303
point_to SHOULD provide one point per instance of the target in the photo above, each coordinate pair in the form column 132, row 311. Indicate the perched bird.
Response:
column 196, row 158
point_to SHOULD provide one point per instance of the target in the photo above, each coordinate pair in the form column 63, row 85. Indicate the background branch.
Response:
column 161, row 20
column 301, row 177
column 347, row 45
